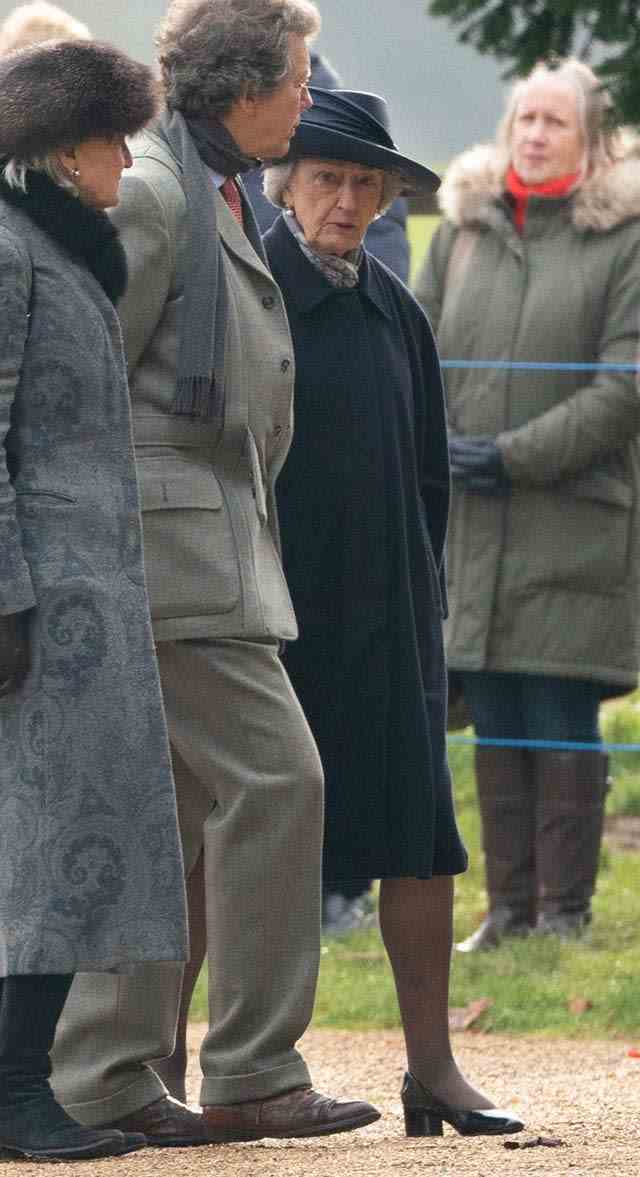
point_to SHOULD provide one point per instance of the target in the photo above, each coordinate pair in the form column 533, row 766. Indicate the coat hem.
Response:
column 604, row 675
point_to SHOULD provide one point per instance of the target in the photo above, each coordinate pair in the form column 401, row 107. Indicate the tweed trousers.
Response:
column 249, row 787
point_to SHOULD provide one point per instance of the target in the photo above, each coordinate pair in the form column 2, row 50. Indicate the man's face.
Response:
column 273, row 119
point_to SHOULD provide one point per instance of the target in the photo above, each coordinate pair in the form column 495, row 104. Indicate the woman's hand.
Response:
column 477, row 463
column 14, row 651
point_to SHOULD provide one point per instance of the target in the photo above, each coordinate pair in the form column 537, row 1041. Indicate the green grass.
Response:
column 419, row 231
column 529, row 982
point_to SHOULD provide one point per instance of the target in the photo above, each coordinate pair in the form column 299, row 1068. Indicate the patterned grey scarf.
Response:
column 342, row 272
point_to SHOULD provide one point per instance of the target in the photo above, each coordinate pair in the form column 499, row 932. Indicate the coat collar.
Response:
column 310, row 286
column 86, row 234
column 245, row 242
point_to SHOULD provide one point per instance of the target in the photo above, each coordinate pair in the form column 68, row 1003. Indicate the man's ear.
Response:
column 66, row 157
column 246, row 103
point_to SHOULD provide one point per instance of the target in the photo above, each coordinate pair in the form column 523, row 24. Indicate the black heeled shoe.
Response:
column 424, row 1114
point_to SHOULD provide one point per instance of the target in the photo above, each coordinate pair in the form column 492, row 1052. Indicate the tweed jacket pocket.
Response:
column 191, row 558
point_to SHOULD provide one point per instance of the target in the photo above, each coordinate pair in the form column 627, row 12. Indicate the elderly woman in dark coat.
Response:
column 90, row 862
column 363, row 501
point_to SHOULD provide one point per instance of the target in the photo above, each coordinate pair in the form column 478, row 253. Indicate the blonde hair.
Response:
column 603, row 142
column 29, row 24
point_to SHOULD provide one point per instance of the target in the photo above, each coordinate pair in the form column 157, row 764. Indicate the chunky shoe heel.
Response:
column 419, row 1122
column 424, row 1114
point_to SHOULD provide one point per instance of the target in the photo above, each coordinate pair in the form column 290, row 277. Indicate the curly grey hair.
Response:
column 277, row 176
column 212, row 52
column 603, row 142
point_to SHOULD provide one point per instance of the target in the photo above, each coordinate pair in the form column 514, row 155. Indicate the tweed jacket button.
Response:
column 285, row 365
column 268, row 302
column 277, row 430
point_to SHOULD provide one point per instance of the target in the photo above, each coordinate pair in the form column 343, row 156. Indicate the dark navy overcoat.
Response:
column 363, row 502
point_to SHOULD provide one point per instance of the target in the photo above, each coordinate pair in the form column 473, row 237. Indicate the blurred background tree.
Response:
column 522, row 32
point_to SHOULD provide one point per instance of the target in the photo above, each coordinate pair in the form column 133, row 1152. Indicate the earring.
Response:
column 75, row 172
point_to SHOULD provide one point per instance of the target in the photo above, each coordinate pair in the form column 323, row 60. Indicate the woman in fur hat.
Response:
column 363, row 501
column 86, row 884
column 537, row 262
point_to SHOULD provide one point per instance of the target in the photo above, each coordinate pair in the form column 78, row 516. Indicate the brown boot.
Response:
column 571, row 792
column 506, row 799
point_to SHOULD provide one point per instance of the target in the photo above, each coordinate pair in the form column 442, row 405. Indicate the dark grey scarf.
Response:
column 203, row 319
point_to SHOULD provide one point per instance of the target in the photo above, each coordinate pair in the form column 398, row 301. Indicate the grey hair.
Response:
column 603, row 142
column 15, row 173
column 29, row 24
column 277, row 176
column 212, row 52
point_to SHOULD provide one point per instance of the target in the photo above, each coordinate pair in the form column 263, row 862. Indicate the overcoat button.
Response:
column 285, row 365
column 277, row 430
column 268, row 302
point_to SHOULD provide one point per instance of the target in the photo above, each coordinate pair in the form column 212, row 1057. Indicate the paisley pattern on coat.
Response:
column 91, row 874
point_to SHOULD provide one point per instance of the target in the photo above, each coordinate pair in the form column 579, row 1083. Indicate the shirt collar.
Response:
column 217, row 178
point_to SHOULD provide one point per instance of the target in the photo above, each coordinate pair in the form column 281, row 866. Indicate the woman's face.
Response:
column 99, row 163
column 547, row 140
column 334, row 202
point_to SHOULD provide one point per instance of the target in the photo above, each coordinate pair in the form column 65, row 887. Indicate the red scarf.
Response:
column 521, row 192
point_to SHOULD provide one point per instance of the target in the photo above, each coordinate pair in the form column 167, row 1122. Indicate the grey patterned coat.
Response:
column 90, row 861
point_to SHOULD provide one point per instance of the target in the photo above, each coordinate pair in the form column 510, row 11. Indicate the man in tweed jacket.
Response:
column 209, row 447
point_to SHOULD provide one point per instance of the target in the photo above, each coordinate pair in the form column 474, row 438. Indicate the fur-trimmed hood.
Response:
column 475, row 181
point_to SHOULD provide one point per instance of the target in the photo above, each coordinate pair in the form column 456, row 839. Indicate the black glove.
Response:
column 476, row 463
column 14, row 651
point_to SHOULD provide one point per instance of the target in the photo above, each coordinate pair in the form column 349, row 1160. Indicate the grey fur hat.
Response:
column 58, row 94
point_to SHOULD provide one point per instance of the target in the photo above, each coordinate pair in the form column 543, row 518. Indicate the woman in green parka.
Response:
column 537, row 262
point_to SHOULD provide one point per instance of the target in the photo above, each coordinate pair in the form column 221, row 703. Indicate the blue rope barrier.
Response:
column 535, row 366
column 554, row 745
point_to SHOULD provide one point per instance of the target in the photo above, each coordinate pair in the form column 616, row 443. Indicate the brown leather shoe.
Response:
column 299, row 1112
column 166, row 1123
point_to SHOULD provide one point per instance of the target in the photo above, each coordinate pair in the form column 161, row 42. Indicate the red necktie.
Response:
column 231, row 193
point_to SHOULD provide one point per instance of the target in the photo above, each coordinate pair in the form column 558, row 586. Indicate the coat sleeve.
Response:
column 147, row 232
column 387, row 239
column 431, row 444
column 16, row 588
column 604, row 414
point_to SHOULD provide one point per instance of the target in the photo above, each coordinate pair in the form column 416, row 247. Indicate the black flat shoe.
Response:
column 424, row 1114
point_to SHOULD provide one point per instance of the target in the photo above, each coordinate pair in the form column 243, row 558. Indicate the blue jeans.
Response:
column 532, row 707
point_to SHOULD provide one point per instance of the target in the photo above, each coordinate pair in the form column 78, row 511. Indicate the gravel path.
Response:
column 586, row 1094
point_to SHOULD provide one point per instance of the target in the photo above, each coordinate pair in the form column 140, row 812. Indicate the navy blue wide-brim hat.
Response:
column 353, row 126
